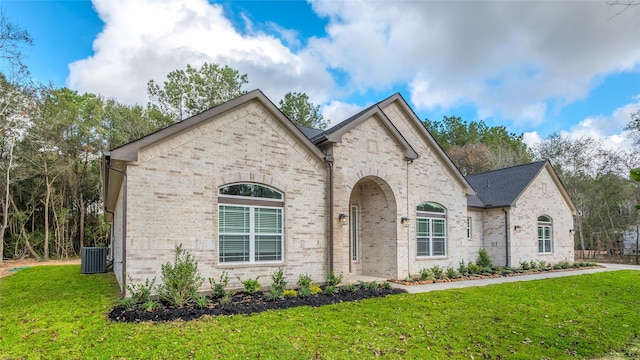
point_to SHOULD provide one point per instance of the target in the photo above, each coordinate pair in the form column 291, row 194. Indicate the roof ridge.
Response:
column 509, row 167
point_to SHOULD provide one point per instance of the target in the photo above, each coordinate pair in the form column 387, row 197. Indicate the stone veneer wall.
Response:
column 541, row 198
column 431, row 179
column 173, row 196
column 367, row 152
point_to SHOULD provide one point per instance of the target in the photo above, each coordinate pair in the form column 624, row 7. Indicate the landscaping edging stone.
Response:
column 491, row 276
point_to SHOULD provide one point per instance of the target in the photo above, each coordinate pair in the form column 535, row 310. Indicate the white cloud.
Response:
column 508, row 59
column 337, row 111
column 531, row 139
column 146, row 39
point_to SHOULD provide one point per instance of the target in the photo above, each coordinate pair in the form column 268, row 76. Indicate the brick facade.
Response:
column 384, row 163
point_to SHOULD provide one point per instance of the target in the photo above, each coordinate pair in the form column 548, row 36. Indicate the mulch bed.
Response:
column 241, row 303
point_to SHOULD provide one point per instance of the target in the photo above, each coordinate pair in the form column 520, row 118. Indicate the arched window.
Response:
column 431, row 230
column 545, row 238
column 250, row 223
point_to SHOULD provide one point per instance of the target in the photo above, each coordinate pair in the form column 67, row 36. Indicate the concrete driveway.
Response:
column 414, row 289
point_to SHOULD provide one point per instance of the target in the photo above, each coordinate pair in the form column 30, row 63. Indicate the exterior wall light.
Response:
column 516, row 228
column 405, row 221
column 343, row 218
column 571, row 231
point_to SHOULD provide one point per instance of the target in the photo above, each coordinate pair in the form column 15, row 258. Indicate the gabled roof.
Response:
column 501, row 188
column 309, row 132
column 129, row 151
column 335, row 133
column 419, row 128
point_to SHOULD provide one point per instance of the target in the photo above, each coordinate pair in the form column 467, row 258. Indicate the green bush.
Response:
column 304, row 280
column 251, row 285
column 329, row 289
column 426, row 274
column 451, row 273
column 473, row 268
column 290, row 293
column 350, row 288
column 462, row 268
column 180, row 281
column 201, row 301
column 333, row 280
column 219, row 287
column 484, row 261
column 437, row 271
column 525, row 265
column 278, row 285
column 141, row 293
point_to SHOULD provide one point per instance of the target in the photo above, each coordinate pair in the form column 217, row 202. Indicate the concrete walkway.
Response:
column 414, row 289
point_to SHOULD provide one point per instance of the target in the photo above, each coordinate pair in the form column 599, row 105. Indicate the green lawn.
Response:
column 54, row 312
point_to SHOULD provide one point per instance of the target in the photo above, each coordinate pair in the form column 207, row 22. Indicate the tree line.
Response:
column 52, row 139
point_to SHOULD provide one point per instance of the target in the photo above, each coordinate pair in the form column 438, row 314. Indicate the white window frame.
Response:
column 430, row 218
column 545, row 235
column 253, row 203
column 354, row 233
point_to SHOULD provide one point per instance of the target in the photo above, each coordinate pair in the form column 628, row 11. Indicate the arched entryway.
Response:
column 372, row 229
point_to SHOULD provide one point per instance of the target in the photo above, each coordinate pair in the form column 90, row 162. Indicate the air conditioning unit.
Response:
column 93, row 260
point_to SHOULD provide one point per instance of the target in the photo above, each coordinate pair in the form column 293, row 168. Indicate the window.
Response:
column 250, row 223
column 545, row 241
column 431, row 230
column 354, row 232
column 469, row 222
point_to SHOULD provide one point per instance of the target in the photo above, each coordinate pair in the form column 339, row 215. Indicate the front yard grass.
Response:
column 54, row 312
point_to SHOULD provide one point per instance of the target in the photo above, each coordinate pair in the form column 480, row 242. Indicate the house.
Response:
column 246, row 191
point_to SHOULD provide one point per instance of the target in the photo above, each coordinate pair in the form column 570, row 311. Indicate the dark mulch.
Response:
column 241, row 303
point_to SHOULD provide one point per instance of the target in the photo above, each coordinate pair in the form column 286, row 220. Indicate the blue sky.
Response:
column 534, row 67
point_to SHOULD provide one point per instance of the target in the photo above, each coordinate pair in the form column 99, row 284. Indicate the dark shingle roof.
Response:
column 309, row 132
column 500, row 188
column 318, row 137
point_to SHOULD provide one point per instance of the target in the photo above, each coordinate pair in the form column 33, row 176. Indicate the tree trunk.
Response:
column 23, row 233
column 45, row 255
column 5, row 204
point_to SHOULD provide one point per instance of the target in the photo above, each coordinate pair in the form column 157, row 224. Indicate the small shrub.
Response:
column 141, row 293
column 329, row 290
column 315, row 289
column 484, row 261
column 408, row 279
column 333, row 280
column 251, row 285
column 219, row 287
column 273, row 295
column 225, row 299
column 505, row 271
column 278, row 284
column 563, row 265
column 451, row 273
column 542, row 264
column 201, row 301
column 290, row 293
column 304, row 280
column 473, row 268
column 533, row 264
column 525, row 265
column 150, row 305
column 127, row 302
column 180, row 280
column 437, row 271
column 462, row 268
column 304, row 292
column 350, row 288
column 368, row 285
column 426, row 274
column 386, row 285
